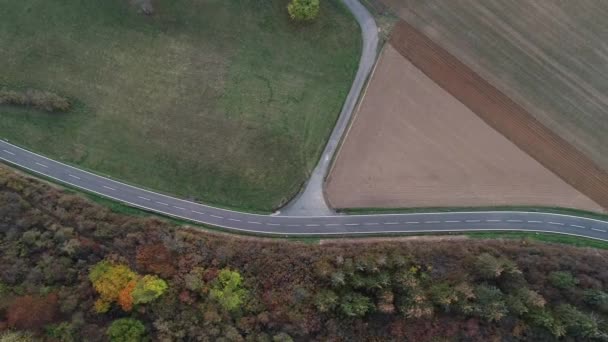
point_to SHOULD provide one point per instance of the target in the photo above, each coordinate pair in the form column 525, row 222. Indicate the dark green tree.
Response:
column 126, row 330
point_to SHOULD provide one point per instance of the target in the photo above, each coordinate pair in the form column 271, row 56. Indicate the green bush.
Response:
column 355, row 305
column 42, row 100
column 126, row 330
column 326, row 300
column 598, row 299
column 303, row 10
column 562, row 280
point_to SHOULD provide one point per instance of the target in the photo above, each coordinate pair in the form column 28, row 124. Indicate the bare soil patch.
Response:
column 412, row 144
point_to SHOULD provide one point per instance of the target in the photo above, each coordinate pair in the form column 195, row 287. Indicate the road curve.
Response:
column 311, row 200
column 302, row 225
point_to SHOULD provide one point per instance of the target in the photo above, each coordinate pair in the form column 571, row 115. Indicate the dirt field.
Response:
column 412, row 144
column 549, row 56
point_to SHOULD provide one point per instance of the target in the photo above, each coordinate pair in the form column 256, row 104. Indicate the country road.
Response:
column 302, row 225
column 308, row 215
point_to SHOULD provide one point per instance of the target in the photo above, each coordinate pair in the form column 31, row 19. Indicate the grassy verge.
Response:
column 224, row 102
column 542, row 237
column 556, row 210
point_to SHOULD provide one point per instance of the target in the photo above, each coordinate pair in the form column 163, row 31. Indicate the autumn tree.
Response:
column 155, row 259
column 228, row 290
column 118, row 283
column 109, row 280
column 31, row 312
column 148, row 288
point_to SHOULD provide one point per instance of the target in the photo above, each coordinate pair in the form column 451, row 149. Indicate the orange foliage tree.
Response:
column 118, row 283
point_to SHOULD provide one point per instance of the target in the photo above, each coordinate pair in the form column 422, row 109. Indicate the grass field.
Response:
column 226, row 102
column 549, row 56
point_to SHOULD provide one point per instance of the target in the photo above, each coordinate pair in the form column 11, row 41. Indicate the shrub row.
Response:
column 42, row 100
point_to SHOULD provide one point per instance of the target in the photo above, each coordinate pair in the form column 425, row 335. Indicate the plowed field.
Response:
column 412, row 144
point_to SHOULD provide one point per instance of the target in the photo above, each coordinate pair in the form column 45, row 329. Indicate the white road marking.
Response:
column 371, row 224
column 75, row 177
column 411, row 222
column 293, row 225
column 598, row 230
column 198, row 212
column 180, row 208
column 351, row 224
column 556, row 223
column 9, row 152
column 430, row 222
column 273, row 224
column 253, row 222
column 37, row 163
column 107, row 187
column 493, row 220
column 330, row 224
column 535, row 221
column 577, row 226
column 235, row 220
column 312, row 225
column 162, row 203
column 218, row 217
column 473, row 221
column 391, row 223
column 452, row 221
column 144, row 198
column 514, row 221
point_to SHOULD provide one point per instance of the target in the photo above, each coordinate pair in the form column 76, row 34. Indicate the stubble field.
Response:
column 551, row 57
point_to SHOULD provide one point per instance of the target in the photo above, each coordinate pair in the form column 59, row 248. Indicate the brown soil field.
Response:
column 412, row 144
column 503, row 114
column 550, row 57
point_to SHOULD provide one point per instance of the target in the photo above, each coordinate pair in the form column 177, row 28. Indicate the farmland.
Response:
column 225, row 102
column 412, row 144
column 548, row 56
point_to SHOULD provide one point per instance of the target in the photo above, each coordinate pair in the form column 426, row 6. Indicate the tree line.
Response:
column 72, row 270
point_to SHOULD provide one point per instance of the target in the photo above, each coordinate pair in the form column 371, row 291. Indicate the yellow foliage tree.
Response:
column 118, row 283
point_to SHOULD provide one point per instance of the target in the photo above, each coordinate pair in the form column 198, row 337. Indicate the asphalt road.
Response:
column 302, row 225
column 311, row 200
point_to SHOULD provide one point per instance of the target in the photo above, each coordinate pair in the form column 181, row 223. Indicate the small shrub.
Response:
column 303, row 10
column 42, row 100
